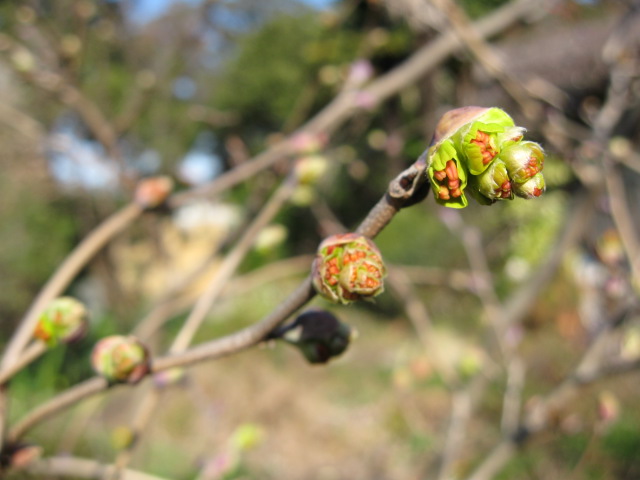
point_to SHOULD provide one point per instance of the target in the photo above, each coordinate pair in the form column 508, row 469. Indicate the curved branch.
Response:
column 82, row 468
column 63, row 276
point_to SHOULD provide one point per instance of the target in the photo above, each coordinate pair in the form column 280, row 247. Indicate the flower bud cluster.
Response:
column 481, row 151
column 348, row 267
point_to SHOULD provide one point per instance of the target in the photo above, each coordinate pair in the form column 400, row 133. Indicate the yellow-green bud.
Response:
column 65, row 320
column 120, row 359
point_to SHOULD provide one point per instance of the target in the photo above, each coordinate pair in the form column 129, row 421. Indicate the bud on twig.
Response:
column 120, row 359
column 152, row 192
column 530, row 189
column 65, row 320
column 318, row 334
column 482, row 148
column 524, row 160
column 348, row 267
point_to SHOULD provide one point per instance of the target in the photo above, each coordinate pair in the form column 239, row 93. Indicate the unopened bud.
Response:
column 494, row 183
column 524, row 160
column 310, row 168
column 65, row 320
column 152, row 192
column 348, row 267
column 318, row 334
column 532, row 188
column 120, row 359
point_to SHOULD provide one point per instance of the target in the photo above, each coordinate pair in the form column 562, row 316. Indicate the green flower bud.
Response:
column 448, row 176
column 65, row 320
column 532, row 188
column 480, row 141
column 483, row 148
column 524, row 160
column 348, row 267
column 318, row 334
column 494, row 183
column 120, row 359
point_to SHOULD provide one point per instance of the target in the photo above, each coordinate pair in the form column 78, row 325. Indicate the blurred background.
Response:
column 98, row 94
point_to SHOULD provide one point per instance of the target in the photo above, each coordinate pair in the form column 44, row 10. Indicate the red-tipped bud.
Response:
column 120, row 359
column 65, row 320
column 494, row 183
column 524, row 160
column 532, row 188
column 152, row 192
column 348, row 267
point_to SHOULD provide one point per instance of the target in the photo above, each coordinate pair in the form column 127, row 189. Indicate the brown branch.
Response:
column 75, row 467
column 65, row 273
column 192, row 324
column 589, row 370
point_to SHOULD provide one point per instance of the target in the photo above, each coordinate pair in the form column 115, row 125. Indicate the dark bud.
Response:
column 318, row 334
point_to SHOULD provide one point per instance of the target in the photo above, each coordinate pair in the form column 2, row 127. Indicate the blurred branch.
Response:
column 32, row 352
column 536, row 87
column 546, row 410
column 65, row 466
column 184, row 337
column 60, row 402
column 22, row 123
column 65, row 273
column 26, row 65
column 578, row 218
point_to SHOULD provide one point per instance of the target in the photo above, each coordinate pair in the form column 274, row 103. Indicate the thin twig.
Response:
column 589, row 370
column 63, row 276
column 60, row 402
column 32, row 352
column 75, row 467
column 184, row 337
